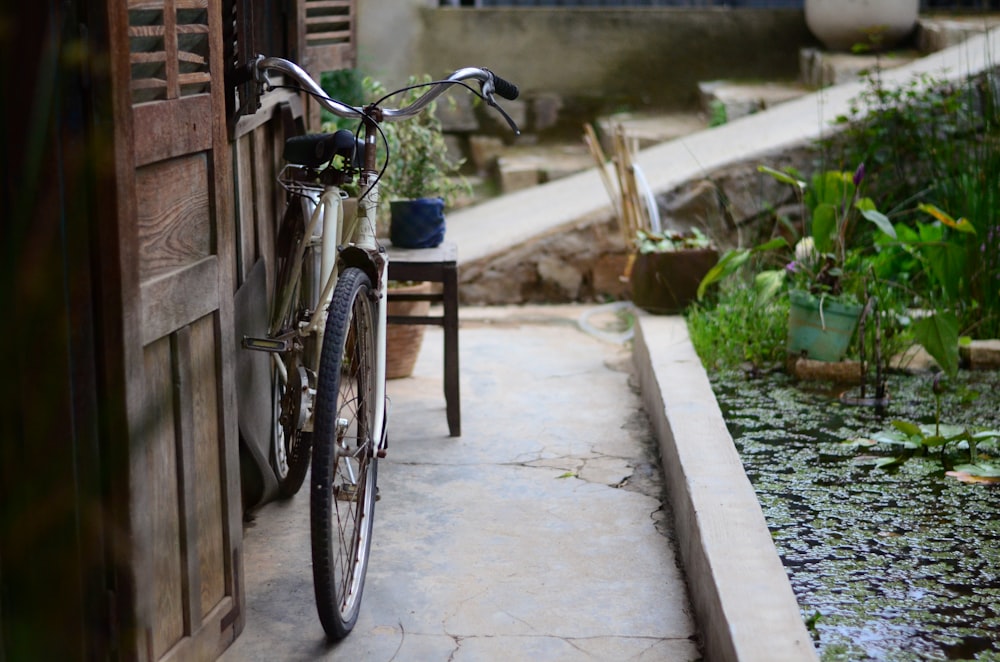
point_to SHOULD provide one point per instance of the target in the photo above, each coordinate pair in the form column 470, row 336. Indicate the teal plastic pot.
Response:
column 819, row 328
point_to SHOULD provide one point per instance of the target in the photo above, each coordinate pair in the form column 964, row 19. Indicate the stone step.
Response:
column 648, row 129
column 727, row 100
column 822, row 68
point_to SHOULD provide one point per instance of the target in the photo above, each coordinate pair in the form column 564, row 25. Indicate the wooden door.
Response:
column 183, row 505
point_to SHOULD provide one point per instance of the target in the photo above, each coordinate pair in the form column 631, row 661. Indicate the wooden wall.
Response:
column 135, row 211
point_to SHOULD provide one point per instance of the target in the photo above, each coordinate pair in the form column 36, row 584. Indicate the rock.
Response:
column 914, row 360
column 483, row 152
column 693, row 207
column 841, row 372
column 517, row 175
column 545, row 111
column 608, row 275
column 561, row 273
column 981, row 354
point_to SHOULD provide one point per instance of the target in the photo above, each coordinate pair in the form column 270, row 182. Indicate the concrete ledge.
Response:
column 743, row 602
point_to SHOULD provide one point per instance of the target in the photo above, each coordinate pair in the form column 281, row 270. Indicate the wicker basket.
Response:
column 402, row 341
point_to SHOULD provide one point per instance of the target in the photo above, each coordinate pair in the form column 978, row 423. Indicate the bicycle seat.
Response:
column 316, row 149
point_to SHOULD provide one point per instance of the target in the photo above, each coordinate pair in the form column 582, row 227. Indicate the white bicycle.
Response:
column 327, row 330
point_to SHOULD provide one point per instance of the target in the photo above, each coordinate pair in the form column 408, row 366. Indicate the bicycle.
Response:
column 327, row 330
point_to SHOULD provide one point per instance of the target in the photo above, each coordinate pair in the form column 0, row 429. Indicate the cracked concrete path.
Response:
column 539, row 534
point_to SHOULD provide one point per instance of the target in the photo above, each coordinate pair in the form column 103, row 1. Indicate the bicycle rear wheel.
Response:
column 344, row 458
column 291, row 446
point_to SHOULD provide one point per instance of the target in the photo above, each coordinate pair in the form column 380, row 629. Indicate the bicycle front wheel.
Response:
column 344, row 458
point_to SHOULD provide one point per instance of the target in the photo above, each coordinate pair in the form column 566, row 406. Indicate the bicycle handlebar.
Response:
column 489, row 82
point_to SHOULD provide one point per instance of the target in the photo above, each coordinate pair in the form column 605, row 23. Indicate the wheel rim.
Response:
column 278, row 433
column 354, row 470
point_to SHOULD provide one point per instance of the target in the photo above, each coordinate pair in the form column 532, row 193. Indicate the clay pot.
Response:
column 667, row 282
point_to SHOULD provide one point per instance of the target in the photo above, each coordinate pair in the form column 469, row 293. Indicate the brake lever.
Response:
column 487, row 89
column 510, row 120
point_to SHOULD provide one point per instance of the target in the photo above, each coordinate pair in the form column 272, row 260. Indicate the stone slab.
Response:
column 742, row 598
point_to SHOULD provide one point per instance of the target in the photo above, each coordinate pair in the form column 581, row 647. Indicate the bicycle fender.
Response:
column 368, row 261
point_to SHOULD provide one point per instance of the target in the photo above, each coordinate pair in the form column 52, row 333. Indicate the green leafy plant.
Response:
column 346, row 86
column 717, row 113
column 831, row 204
column 419, row 163
column 921, row 439
column 935, row 145
column 734, row 330
column 664, row 242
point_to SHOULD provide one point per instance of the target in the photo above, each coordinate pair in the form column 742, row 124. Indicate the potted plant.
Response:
column 421, row 176
column 842, row 25
column 667, row 268
column 824, row 270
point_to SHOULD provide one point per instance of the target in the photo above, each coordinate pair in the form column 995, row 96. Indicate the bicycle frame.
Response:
column 328, row 214
column 365, row 251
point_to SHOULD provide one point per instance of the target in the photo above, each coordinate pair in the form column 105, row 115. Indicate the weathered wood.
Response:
column 175, row 299
column 270, row 105
column 223, row 626
column 160, row 473
column 205, row 643
column 266, row 165
column 207, row 466
column 168, row 273
column 167, row 129
column 312, row 36
column 246, row 239
column 184, row 382
column 174, row 216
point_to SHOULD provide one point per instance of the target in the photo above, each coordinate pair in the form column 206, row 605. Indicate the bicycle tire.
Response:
column 344, row 461
column 290, row 446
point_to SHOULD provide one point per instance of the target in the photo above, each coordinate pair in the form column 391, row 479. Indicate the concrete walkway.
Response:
column 540, row 534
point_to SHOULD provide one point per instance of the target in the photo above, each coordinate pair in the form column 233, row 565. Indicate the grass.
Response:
column 733, row 331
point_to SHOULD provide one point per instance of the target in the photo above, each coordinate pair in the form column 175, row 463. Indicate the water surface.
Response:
column 898, row 564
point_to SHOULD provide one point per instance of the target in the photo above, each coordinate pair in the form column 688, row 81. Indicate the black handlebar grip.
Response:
column 505, row 88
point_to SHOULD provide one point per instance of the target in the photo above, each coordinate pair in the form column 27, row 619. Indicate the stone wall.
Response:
column 586, row 261
column 608, row 57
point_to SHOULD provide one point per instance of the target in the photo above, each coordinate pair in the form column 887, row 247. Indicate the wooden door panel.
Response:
column 208, row 456
column 189, row 570
column 171, row 300
column 167, row 129
column 174, row 216
column 163, row 517
column 182, row 589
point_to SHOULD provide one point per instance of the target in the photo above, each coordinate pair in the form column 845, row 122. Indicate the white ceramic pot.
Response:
column 840, row 24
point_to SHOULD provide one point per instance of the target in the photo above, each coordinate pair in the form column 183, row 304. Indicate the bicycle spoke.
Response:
column 344, row 464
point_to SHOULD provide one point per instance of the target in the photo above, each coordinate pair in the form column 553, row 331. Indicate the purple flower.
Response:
column 859, row 174
column 792, row 267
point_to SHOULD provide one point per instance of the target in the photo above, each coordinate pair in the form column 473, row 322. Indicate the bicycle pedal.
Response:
column 267, row 344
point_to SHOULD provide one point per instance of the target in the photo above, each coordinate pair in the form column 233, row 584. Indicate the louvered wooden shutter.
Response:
column 325, row 34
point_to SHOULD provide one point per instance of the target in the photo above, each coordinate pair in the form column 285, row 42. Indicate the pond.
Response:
column 888, row 563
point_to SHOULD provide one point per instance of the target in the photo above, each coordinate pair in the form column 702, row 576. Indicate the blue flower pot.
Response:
column 417, row 223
